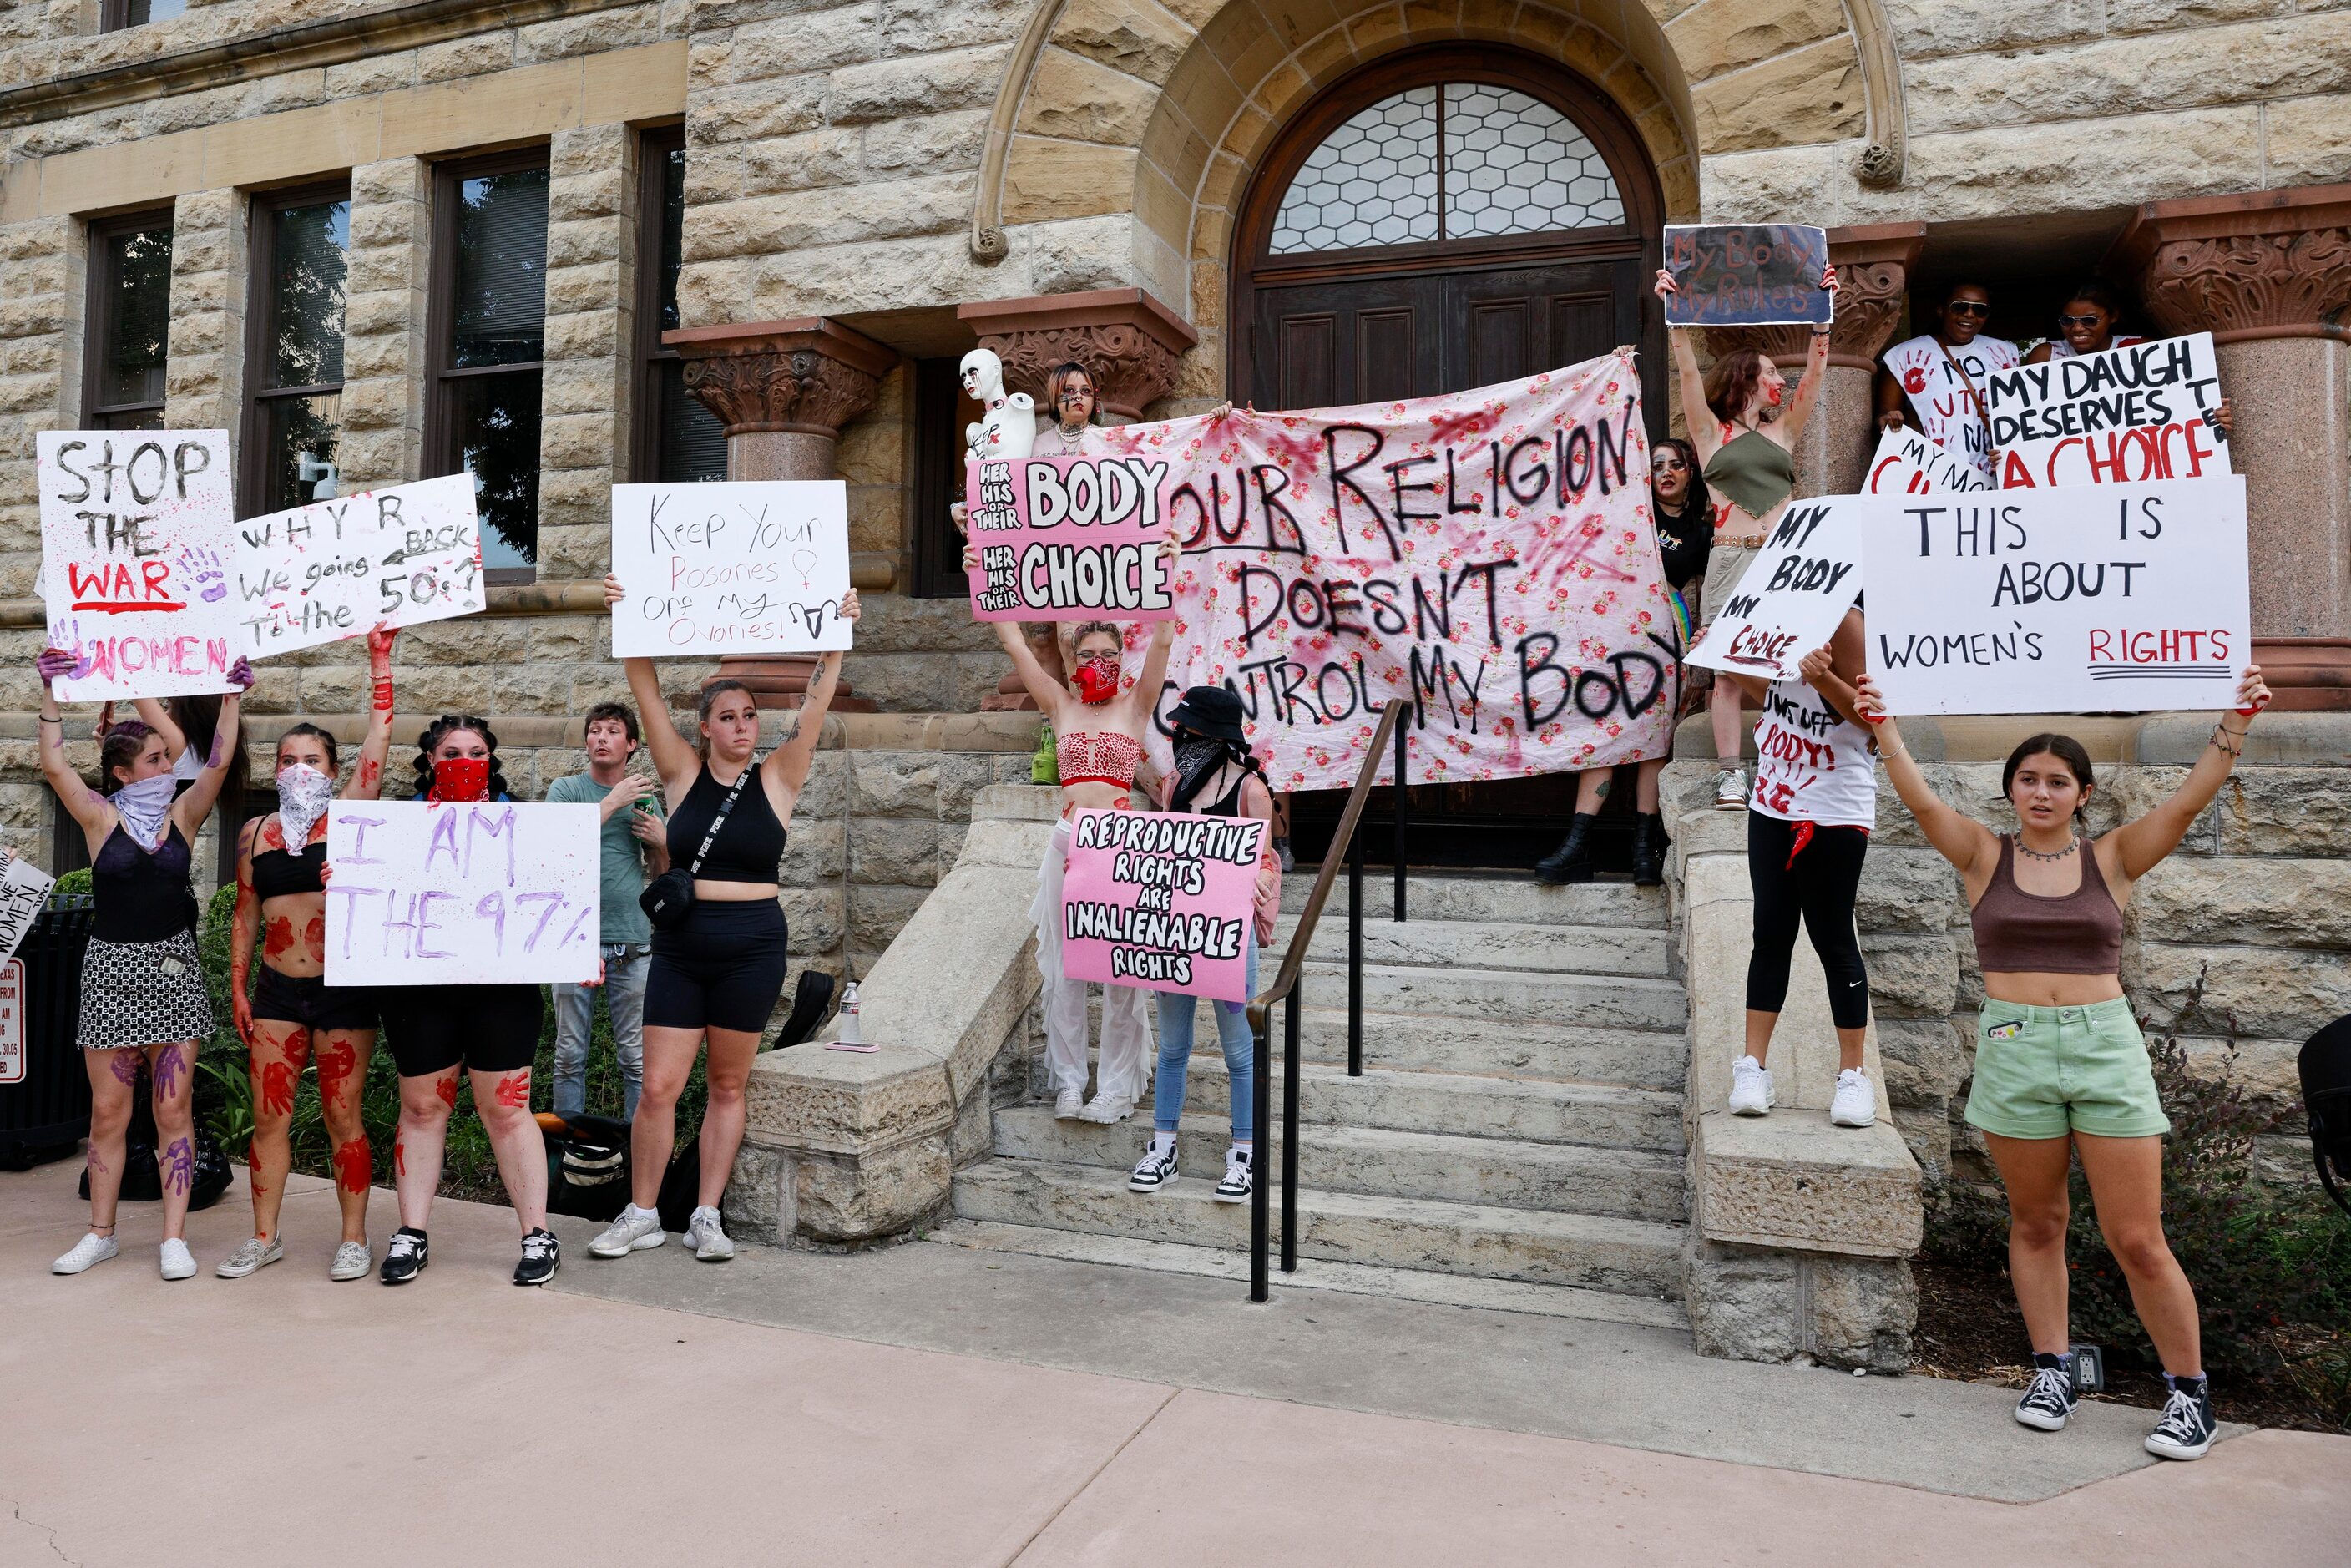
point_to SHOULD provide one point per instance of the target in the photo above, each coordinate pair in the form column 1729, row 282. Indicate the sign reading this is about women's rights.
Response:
column 138, row 541
column 1746, row 275
column 2118, row 417
column 1067, row 538
column 1162, row 900
column 337, row 568
column 1795, row 592
column 2081, row 600
column 730, row 568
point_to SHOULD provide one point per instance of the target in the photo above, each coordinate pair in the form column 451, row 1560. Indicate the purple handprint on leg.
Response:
column 124, row 1065
column 168, row 1066
column 179, row 1162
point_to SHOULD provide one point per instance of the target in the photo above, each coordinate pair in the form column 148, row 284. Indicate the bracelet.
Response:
column 2221, row 730
column 46, row 720
column 1820, row 331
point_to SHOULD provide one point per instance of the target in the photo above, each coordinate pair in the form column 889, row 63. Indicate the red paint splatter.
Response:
column 514, row 1091
column 273, row 836
column 353, row 1165
column 314, row 935
column 447, row 1090
column 369, row 773
column 337, row 1060
column 276, row 938
column 252, row 1167
column 399, row 1157
column 277, row 1080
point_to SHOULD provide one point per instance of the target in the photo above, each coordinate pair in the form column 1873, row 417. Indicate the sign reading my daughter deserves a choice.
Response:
column 730, row 568
column 1162, row 900
column 2117, row 417
column 1067, row 538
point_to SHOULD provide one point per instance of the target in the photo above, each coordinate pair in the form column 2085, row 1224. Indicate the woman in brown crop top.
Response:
column 2061, row 1069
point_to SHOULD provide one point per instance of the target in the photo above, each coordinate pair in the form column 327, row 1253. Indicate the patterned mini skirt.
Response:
column 142, row 993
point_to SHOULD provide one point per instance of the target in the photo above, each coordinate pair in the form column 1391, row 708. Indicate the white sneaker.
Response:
column 708, row 1236
column 635, row 1230
column 1751, row 1088
column 352, row 1261
column 88, row 1252
column 179, row 1263
column 253, row 1254
column 1730, row 789
column 1855, row 1104
column 1069, row 1105
column 1107, row 1108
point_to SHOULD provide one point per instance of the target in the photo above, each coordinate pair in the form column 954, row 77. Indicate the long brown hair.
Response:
column 1730, row 385
column 2065, row 749
column 710, row 695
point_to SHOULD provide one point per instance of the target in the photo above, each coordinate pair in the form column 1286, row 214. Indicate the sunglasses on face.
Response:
column 1968, row 308
column 1076, row 395
column 2090, row 320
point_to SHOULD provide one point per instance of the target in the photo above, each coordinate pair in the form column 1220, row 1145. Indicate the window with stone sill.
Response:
column 300, row 256
column 116, row 15
column 128, row 331
column 679, row 441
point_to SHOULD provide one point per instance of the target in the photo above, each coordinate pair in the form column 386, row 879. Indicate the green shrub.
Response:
column 73, row 884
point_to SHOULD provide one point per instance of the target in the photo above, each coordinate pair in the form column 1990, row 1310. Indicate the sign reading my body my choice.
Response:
column 138, row 541
column 1906, row 464
column 1162, row 900
column 1067, row 538
column 2117, row 417
column 730, row 568
column 1795, row 592
column 1746, row 275
column 2124, row 597
column 337, row 568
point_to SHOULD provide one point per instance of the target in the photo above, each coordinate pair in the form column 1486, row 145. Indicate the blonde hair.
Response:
column 1082, row 630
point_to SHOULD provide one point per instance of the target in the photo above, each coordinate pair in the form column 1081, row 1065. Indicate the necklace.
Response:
column 1071, row 431
column 2071, row 845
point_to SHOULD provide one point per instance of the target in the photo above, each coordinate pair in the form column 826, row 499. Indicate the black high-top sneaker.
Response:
column 542, row 1255
column 2052, row 1397
column 2186, row 1427
column 405, row 1256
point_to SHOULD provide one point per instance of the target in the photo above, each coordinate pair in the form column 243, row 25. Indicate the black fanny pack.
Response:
column 668, row 899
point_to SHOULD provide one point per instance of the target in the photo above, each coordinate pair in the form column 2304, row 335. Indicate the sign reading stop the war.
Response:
column 1067, row 538
column 2121, row 417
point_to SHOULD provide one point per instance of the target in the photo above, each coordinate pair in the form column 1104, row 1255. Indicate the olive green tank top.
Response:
column 1753, row 472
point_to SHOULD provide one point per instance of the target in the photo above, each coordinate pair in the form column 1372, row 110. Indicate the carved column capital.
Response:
column 1129, row 342
column 2275, row 264
column 1873, row 263
column 804, row 377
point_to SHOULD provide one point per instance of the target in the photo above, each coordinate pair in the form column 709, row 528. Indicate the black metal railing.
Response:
column 1345, row 843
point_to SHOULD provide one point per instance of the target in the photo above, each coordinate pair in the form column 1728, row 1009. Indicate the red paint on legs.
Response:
column 514, row 1091
column 353, row 1166
column 277, row 1081
column 447, row 1089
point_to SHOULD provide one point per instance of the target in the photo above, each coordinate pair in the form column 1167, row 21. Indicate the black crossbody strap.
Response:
column 719, row 821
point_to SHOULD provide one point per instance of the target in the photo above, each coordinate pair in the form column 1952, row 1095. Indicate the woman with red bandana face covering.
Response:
column 490, row 1032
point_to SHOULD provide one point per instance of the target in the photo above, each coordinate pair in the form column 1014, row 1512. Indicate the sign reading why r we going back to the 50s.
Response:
column 2116, row 417
column 730, row 568
column 337, row 568
column 2126, row 597
column 462, row 893
column 1795, row 592
column 1067, row 538
column 137, row 539
column 1162, row 899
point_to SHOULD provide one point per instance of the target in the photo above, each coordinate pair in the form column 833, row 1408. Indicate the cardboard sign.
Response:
column 337, row 568
column 2119, row 598
column 23, row 893
column 1794, row 592
column 461, row 894
column 138, row 542
column 1162, row 900
column 1067, row 538
column 1945, row 387
column 730, row 568
column 1746, row 275
column 1906, row 464
column 12, row 1021
column 2121, row 417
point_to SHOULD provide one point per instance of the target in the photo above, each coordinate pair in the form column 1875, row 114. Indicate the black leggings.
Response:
column 1818, row 886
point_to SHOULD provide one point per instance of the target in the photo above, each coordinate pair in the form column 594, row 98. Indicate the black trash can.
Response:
column 45, row 1115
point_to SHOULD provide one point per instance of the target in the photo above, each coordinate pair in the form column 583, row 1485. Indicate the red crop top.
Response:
column 1098, row 757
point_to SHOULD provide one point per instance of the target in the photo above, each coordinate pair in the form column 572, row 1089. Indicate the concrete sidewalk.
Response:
column 284, row 1419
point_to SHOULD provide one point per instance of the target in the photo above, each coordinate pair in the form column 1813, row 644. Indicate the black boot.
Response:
column 1648, row 850
column 1573, row 862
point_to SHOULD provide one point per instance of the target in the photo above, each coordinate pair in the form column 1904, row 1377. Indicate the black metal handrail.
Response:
column 1344, row 843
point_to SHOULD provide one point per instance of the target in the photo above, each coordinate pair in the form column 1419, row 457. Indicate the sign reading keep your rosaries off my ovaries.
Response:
column 731, row 568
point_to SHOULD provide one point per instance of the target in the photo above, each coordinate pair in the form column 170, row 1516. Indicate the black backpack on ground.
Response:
column 587, row 1167
column 2325, row 1063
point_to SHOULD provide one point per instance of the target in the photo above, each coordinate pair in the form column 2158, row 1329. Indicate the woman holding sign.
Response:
column 142, row 990
column 1747, row 452
column 2061, row 1069
column 294, row 1016
column 1937, row 381
column 2089, row 324
column 719, row 936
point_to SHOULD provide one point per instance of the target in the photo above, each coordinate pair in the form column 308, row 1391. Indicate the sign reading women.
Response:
column 1486, row 556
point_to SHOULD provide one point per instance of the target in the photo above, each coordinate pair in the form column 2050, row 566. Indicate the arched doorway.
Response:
column 1446, row 218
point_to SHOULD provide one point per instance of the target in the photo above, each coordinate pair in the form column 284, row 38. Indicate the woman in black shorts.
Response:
column 293, row 1016
column 492, row 1032
column 717, row 976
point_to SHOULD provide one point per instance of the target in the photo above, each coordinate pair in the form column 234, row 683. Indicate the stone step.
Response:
column 1489, row 944
column 1501, row 996
column 1512, row 900
column 1632, row 1256
column 1314, row 1274
column 1465, row 1105
column 1501, row 1173
column 1643, row 1059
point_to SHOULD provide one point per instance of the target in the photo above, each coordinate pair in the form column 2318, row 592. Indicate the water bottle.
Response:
column 849, row 1038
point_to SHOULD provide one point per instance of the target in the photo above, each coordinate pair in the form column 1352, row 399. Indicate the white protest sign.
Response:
column 2118, row 417
column 137, row 539
column 730, row 568
column 12, row 1021
column 461, row 892
column 23, row 893
column 2084, row 600
column 1795, row 592
column 336, row 568
column 1906, row 464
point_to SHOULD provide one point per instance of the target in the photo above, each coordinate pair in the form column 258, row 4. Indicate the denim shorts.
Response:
column 2043, row 1072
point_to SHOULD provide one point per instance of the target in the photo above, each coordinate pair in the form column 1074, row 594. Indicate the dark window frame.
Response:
column 99, row 316
column 261, row 265
column 114, row 15
column 938, row 478
column 441, row 319
column 652, row 357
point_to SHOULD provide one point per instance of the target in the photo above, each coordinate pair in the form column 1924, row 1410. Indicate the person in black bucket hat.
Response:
column 1211, row 711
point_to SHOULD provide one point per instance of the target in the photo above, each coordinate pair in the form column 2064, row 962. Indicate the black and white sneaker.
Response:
column 405, row 1257
column 2051, row 1398
column 542, row 1255
column 1154, row 1170
column 2186, row 1429
column 1238, row 1182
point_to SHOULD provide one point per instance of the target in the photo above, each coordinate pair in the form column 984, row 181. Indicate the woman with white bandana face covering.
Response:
column 293, row 1017
column 142, row 995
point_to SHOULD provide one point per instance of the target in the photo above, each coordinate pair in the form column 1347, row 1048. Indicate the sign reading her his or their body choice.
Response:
column 1486, row 556
column 1162, row 900
column 138, row 541
column 23, row 893
column 337, row 568
column 1906, row 464
column 1067, row 538
column 2084, row 600
column 461, row 892
column 1746, row 275
column 1945, row 386
column 1794, row 592
column 2117, row 417
column 730, row 568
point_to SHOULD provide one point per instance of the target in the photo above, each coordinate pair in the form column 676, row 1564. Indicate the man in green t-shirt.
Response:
column 635, row 847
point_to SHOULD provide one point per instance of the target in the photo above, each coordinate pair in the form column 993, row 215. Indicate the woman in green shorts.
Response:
column 2061, row 1069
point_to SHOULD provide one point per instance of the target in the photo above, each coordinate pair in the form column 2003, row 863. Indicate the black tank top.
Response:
column 278, row 873
column 749, row 848
column 141, row 897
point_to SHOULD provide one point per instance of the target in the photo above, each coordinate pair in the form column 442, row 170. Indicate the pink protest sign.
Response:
column 1160, row 900
column 1067, row 538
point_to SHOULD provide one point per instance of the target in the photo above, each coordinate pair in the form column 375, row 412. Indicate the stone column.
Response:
column 2269, row 275
column 1873, row 263
column 1130, row 344
column 783, row 390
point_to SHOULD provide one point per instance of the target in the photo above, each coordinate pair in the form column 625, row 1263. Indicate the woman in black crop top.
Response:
column 142, row 995
column 293, row 1017
column 719, row 975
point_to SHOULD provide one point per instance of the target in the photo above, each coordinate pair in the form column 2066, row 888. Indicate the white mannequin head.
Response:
column 983, row 377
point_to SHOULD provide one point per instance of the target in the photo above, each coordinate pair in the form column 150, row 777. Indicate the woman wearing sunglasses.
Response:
column 1936, row 382
column 2090, row 324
